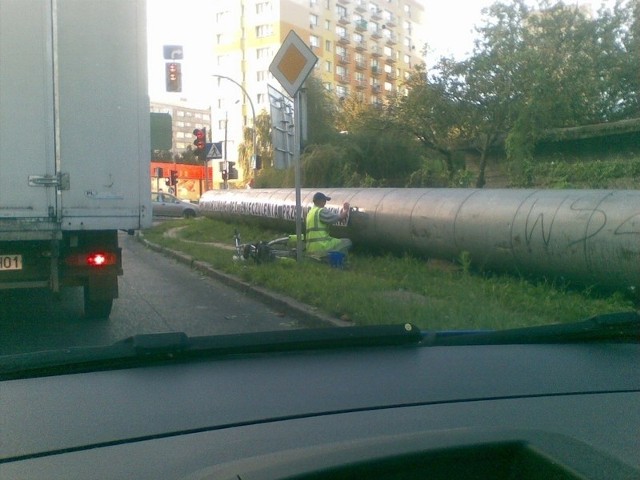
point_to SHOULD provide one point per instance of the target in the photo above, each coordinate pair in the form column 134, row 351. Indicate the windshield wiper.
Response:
column 176, row 346
column 617, row 327
column 171, row 346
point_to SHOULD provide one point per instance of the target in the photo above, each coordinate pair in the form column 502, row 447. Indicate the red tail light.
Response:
column 92, row 259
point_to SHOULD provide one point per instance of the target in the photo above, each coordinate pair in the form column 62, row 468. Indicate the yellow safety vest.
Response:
column 317, row 235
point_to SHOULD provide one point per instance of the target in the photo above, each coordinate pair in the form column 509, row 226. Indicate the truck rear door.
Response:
column 27, row 148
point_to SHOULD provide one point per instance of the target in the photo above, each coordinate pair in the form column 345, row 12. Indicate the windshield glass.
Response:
column 212, row 168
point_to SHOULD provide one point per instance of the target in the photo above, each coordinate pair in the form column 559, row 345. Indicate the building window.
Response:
column 328, row 67
column 221, row 17
column 263, row 7
column 313, row 20
column 341, row 11
column 341, row 31
column 264, row 31
column 327, row 45
column 264, row 52
column 314, row 41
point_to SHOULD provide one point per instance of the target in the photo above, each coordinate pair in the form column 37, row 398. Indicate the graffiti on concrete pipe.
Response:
column 588, row 236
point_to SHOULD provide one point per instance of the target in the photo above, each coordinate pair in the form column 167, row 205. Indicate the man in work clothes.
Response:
column 317, row 227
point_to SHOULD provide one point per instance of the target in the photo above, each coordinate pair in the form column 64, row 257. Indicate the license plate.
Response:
column 10, row 262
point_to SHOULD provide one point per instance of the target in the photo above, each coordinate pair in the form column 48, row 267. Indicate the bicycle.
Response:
column 282, row 248
column 265, row 252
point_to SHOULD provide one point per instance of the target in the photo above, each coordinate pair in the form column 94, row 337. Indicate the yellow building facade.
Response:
column 365, row 49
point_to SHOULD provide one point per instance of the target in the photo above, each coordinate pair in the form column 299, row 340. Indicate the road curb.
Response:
column 287, row 304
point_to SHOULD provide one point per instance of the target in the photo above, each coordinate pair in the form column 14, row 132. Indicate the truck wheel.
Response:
column 96, row 309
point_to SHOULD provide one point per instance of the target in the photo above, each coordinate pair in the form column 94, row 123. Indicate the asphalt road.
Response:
column 157, row 294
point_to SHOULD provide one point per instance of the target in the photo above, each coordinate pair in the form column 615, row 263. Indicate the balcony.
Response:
column 391, row 40
column 361, row 65
column 375, row 71
column 376, row 34
column 344, row 20
column 360, row 46
column 390, row 60
column 390, row 21
column 376, row 51
column 343, row 59
column 361, row 25
column 361, row 6
column 344, row 40
column 361, row 84
column 344, row 2
column 342, row 77
column 376, row 14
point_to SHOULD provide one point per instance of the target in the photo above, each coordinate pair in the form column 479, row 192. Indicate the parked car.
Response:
column 167, row 205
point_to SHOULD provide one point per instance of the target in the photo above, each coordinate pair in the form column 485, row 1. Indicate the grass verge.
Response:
column 386, row 289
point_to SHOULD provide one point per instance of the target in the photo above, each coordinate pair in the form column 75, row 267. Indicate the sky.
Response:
column 449, row 30
column 450, row 24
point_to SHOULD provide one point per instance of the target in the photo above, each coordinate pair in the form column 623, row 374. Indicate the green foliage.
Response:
column 275, row 178
column 585, row 174
column 380, row 289
column 321, row 113
column 324, row 166
column 535, row 66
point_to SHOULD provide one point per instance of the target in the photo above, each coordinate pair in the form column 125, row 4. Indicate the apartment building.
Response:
column 183, row 121
column 364, row 47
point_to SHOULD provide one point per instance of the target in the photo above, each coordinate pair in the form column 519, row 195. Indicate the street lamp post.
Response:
column 253, row 114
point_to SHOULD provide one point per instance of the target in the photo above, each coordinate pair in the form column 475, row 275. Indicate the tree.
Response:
column 432, row 111
column 489, row 87
column 321, row 112
column 571, row 70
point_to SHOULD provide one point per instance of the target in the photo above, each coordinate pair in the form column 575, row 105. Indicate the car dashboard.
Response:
column 391, row 411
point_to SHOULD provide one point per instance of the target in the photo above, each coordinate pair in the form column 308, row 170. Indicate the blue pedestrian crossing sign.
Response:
column 214, row 150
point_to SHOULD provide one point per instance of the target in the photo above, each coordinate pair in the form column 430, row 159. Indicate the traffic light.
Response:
column 233, row 173
column 173, row 179
column 224, row 175
column 173, row 77
column 200, row 143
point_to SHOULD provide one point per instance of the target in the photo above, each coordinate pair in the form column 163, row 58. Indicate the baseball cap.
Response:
column 319, row 196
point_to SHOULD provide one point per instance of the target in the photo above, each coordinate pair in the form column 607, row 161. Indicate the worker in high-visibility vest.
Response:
column 319, row 218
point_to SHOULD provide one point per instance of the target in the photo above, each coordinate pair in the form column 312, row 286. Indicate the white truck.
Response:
column 74, row 143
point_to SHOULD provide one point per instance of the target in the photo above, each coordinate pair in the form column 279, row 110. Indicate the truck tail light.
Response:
column 92, row 259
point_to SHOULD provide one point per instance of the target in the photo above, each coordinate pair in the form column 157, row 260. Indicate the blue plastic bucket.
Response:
column 336, row 259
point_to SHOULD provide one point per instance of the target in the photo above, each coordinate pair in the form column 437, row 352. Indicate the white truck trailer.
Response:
column 74, row 143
